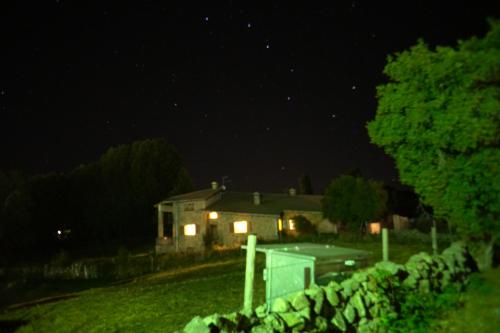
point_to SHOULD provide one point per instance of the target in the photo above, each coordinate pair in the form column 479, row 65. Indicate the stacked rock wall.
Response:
column 358, row 304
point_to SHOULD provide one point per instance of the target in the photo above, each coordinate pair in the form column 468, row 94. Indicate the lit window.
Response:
column 240, row 227
column 374, row 228
column 291, row 224
column 280, row 224
column 190, row 229
column 213, row 215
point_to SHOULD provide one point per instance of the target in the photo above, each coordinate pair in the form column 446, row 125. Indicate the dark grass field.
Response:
column 166, row 301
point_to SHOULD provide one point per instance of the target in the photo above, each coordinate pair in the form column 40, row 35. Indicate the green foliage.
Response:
column 102, row 202
column 133, row 177
column 479, row 312
column 303, row 225
column 439, row 118
column 61, row 259
column 16, row 222
column 305, row 185
column 354, row 200
column 418, row 311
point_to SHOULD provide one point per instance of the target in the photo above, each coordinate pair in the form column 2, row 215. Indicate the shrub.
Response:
column 304, row 226
column 61, row 259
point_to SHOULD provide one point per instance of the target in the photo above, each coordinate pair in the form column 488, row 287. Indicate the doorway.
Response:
column 168, row 225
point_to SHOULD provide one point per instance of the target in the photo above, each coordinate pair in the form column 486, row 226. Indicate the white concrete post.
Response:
column 434, row 240
column 249, row 274
column 385, row 244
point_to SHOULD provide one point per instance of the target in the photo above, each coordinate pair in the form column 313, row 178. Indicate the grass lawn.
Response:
column 480, row 312
column 161, row 302
column 165, row 301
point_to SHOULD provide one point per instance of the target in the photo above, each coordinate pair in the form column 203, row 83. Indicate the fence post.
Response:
column 434, row 240
column 385, row 244
column 249, row 274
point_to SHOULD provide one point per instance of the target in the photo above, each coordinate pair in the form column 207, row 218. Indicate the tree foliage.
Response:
column 439, row 118
column 304, row 184
column 354, row 200
column 101, row 202
column 303, row 225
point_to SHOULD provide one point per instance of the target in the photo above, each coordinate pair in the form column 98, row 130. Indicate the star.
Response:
column 288, row 98
column 249, row 25
column 353, row 88
column 2, row 92
column 333, row 115
column 282, row 168
column 292, row 70
column 175, row 104
column 206, row 18
column 267, row 46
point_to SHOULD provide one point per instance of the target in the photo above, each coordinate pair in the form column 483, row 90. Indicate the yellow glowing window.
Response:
column 240, row 227
column 280, row 224
column 291, row 224
column 213, row 215
column 374, row 228
column 190, row 230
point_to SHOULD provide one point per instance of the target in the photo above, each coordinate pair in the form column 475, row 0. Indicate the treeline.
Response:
column 110, row 200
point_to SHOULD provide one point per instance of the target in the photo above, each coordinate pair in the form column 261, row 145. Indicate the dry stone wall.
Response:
column 357, row 304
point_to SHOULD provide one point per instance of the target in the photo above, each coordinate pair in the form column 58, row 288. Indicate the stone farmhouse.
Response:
column 188, row 221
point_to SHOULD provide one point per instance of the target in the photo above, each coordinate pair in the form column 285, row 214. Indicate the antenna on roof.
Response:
column 225, row 180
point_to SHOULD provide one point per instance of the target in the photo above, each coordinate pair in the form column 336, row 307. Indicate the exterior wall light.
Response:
column 213, row 215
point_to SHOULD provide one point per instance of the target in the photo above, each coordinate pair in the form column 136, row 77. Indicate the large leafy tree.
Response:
column 305, row 185
column 354, row 200
column 439, row 118
column 133, row 178
column 108, row 200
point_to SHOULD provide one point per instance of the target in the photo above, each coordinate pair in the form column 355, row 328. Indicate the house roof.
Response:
column 196, row 195
column 270, row 203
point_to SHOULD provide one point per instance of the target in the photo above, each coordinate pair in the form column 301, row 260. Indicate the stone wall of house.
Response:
column 263, row 225
column 196, row 242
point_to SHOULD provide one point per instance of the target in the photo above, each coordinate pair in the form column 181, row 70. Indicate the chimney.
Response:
column 256, row 198
column 215, row 185
column 292, row 192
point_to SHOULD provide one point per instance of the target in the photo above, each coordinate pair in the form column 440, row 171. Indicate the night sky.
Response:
column 260, row 93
